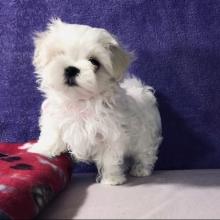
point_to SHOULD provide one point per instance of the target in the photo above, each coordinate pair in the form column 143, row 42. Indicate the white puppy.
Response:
column 87, row 109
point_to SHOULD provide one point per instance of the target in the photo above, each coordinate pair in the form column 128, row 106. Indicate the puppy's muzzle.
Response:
column 70, row 74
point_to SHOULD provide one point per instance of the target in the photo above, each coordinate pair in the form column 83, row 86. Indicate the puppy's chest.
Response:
column 67, row 113
column 87, row 123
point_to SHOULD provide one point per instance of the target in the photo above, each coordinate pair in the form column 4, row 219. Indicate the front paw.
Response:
column 38, row 149
column 113, row 180
column 25, row 146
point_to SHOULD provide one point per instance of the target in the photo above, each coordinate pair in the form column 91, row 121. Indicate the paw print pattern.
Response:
column 10, row 159
column 42, row 194
column 22, row 166
column 3, row 155
column 43, row 179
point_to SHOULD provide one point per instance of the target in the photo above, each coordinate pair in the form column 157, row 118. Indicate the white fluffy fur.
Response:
column 102, row 119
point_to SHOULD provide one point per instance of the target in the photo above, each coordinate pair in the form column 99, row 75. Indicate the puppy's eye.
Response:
column 94, row 62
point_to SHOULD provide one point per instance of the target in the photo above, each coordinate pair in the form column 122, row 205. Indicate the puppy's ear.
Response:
column 120, row 58
column 43, row 52
column 41, row 57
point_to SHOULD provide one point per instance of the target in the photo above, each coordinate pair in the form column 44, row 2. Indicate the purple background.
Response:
column 178, row 48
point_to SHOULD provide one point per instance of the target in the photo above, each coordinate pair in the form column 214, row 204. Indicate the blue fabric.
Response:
column 178, row 48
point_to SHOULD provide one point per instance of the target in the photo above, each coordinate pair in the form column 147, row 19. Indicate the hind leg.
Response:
column 143, row 164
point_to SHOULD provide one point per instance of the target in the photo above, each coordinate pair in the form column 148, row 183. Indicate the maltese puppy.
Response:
column 88, row 110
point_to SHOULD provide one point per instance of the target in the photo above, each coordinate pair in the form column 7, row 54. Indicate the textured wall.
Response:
column 178, row 48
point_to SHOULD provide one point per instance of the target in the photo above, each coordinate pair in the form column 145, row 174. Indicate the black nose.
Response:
column 70, row 73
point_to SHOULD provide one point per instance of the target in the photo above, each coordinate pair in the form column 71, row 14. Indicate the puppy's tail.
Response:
column 141, row 93
column 144, row 97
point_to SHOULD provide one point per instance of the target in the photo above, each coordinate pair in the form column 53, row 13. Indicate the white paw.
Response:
column 113, row 180
column 37, row 149
column 140, row 171
column 25, row 146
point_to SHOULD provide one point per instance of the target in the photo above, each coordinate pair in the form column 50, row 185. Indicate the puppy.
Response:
column 88, row 110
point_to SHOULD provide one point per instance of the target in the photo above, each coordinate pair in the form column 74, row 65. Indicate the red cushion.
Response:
column 29, row 181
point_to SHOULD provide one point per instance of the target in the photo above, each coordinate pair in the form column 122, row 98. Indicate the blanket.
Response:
column 29, row 181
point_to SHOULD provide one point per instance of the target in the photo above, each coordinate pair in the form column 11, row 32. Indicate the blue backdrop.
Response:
column 177, row 43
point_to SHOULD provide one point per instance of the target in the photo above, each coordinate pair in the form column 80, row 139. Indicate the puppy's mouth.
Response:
column 71, row 82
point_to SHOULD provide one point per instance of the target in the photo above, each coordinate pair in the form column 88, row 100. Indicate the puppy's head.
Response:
column 78, row 60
